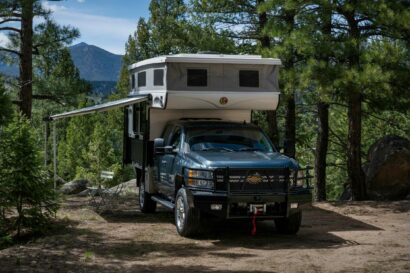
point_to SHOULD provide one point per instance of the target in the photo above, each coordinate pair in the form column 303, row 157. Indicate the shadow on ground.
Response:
column 78, row 249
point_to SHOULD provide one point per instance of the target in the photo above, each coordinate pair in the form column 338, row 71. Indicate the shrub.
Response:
column 27, row 198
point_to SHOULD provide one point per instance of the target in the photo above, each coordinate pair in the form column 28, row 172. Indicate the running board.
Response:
column 163, row 202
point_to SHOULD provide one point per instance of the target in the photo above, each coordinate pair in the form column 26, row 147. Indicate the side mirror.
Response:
column 159, row 146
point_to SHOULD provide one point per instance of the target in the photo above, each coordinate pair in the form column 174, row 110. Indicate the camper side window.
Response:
column 248, row 78
column 142, row 79
column 133, row 81
column 158, row 77
column 197, row 77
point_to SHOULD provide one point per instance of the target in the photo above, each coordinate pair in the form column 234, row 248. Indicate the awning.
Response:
column 100, row 107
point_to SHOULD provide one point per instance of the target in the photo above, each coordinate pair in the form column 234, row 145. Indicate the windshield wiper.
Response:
column 249, row 149
column 216, row 149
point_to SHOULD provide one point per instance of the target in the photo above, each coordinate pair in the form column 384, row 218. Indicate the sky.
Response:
column 104, row 23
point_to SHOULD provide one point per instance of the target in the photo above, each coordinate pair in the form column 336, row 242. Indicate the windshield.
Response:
column 227, row 139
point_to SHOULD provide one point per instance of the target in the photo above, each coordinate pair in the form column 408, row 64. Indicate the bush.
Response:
column 27, row 198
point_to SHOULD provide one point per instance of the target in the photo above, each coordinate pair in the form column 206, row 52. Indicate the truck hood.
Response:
column 246, row 159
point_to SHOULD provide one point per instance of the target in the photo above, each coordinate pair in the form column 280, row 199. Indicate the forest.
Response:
column 344, row 82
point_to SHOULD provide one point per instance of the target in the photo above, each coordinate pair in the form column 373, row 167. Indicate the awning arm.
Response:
column 100, row 107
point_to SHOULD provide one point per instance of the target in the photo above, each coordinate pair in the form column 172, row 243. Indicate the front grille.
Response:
column 252, row 180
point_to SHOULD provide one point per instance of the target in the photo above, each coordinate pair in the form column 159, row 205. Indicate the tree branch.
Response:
column 10, row 20
column 11, row 29
column 47, row 97
column 10, row 50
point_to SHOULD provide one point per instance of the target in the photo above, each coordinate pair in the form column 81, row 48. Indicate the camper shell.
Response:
column 208, row 91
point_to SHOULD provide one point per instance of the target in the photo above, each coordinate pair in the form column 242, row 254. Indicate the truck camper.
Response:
column 188, row 133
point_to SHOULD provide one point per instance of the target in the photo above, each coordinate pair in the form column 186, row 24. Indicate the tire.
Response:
column 187, row 220
column 147, row 205
column 289, row 225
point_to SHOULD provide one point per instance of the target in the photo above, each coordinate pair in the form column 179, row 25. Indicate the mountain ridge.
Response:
column 93, row 62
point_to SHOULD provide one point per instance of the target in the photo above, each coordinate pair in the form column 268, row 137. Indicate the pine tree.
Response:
column 24, row 43
column 23, row 185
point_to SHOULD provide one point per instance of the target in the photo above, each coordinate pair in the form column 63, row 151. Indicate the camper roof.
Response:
column 209, row 59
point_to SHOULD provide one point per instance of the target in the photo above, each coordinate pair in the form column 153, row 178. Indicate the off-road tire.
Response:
column 147, row 205
column 289, row 225
column 187, row 220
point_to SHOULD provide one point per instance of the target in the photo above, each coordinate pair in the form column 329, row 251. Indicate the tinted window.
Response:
column 158, row 77
column 142, row 79
column 132, row 81
column 197, row 77
column 249, row 78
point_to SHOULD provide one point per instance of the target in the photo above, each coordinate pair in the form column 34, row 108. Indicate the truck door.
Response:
column 167, row 163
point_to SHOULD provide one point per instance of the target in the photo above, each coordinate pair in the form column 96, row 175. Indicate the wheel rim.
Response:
column 180, row 213
column 142, row 193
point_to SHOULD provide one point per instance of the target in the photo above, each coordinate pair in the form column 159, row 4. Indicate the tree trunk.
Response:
column 290, row 133
column 272, row 127
column 321, row 150
column 264, row 41
column 354, row 164
column 26, row 50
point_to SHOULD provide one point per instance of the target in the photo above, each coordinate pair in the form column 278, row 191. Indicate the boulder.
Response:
column 74, row 187
column 388, row 169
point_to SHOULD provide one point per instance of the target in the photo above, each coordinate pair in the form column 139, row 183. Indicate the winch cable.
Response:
column 255, row 213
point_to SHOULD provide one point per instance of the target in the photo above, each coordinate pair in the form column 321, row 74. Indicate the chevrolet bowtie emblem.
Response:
column 254, row 179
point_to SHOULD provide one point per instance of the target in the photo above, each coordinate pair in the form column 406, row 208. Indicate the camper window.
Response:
column 248, row 78
column 197, row 77
column 158, row 77
column 132, row 81
column 142, row 78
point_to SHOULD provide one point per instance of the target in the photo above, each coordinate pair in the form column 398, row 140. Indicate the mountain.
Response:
column 96, row 64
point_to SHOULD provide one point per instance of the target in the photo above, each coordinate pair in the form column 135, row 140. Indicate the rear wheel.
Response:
column 187, row 220
column 289, row 225
column 147, row 205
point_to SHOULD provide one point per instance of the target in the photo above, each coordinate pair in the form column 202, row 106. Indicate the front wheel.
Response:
column 147, row 205
column 289, row 225
column 187, row 220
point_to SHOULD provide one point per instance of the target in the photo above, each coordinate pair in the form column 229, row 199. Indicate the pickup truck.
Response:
column 205, row 168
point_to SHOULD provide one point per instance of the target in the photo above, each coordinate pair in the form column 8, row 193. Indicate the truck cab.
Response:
column 206, row 168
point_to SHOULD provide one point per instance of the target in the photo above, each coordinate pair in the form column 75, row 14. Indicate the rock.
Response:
column 129, row 187
column 74, row 187
column 388, row 169
column 60, row 181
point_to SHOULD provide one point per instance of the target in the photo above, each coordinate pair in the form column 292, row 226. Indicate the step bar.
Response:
column 163, row 202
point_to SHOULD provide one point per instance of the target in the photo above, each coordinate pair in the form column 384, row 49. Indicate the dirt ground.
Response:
column 334, row 237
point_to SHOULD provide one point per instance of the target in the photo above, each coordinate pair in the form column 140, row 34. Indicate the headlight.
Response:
column 199, row 174
column 199, row 178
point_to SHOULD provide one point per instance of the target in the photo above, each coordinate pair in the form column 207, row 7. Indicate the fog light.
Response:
column 216, row 206
column 294, row 205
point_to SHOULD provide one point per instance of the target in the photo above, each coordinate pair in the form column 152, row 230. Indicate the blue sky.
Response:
column 104, row 23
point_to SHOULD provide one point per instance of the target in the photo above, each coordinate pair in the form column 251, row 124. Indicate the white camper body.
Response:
column 179, row 86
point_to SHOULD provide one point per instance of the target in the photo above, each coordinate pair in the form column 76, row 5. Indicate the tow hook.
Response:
column 256, row 210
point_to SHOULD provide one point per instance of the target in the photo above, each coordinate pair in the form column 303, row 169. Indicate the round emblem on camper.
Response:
column 223, row 100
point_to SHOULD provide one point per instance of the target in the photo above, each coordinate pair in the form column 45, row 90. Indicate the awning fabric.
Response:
column 100, row 107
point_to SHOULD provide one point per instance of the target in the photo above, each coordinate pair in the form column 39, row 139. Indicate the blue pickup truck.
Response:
column 205, row 168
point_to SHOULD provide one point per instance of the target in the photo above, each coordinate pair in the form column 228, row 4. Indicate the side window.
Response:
column 176, row 138
column 248, row 78
column 197, row 77
column 133, row 81
column 166, row 133
column 158, row 77
column 142, row 79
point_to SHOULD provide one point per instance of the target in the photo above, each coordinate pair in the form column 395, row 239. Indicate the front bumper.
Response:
column 238, row 205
